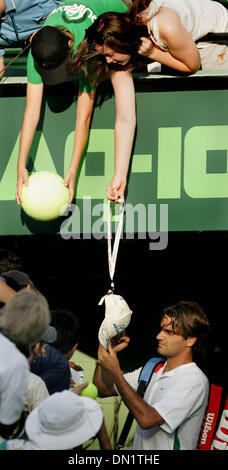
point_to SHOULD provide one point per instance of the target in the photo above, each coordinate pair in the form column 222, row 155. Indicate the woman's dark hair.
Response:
column 189, row 320
column 137, row 7
column 117, row 31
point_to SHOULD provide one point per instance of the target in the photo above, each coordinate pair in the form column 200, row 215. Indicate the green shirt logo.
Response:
column 76, row 12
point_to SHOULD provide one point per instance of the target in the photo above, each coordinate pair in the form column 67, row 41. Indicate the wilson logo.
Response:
column 207, row 427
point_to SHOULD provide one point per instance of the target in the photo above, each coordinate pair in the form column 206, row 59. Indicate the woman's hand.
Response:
column 69, row 181
column 22, row 178
column 146, row 48
column 115, row 189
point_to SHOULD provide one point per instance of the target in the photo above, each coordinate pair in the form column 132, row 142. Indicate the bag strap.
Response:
column 220, row 440
column 112, row 253
column 211, row 417
column 152, row 366
column 146, row 373
column 11, row 14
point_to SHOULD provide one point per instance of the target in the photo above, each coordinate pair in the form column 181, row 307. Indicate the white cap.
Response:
column 117, row 318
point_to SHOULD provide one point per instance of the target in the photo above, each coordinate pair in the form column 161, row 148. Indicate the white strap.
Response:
column 112, row 255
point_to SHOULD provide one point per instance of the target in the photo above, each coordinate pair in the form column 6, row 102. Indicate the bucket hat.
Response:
column 64, row 420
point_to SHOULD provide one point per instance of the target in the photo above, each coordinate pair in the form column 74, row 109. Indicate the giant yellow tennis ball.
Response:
column 90, row 391
column 46, row 197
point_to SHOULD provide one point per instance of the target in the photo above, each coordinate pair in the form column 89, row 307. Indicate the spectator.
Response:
column 23, row 321
column 48, row 363
column 19, row 19
column 53, row 49
column 8, row 261
column 12, row 281
column 68, row 335
column 174, row 26
column 63, row 421
column 68, row 331
column 53, row 368
column 37, row 390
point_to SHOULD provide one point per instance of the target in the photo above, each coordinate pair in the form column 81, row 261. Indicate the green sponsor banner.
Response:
column 179, row 161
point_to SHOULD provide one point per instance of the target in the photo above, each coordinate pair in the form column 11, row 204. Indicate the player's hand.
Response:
column 22, row 178
column 108, row 360
column 120, row 342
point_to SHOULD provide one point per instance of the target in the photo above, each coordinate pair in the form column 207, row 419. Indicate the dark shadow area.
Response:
column 41, row 227
column 60, row 97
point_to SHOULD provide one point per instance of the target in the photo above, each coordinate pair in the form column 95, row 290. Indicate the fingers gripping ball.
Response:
column 45, row 197
column 90, row 391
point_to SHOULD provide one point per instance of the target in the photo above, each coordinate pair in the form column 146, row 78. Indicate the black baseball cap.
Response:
column 51, row 52
column 18, row 280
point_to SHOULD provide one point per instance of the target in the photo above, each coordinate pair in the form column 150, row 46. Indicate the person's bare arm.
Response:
column 182, row 53
column 145, row 415
column 103, row 438
column 102, row 378
column 84, row 111
column 2, row 7
column 5, row 292
column 124, row 92
column 31, row 119
column 103, row 382
column 2, row 67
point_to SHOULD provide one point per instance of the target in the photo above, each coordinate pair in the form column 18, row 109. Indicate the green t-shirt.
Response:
column 76, row 17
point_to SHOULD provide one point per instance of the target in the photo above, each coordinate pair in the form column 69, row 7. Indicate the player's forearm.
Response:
column 103, row 382
column 145, row 415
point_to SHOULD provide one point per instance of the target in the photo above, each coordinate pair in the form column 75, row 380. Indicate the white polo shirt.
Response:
column 14, row 370
column 180, row 396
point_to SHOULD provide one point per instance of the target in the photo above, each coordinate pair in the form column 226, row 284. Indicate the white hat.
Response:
column 117, row 318
column 64, row 420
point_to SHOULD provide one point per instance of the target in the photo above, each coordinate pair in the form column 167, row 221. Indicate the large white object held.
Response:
column 117, row 318
column 46, row 197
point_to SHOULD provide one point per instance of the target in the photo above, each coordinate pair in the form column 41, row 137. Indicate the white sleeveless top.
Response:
column 199, row 17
